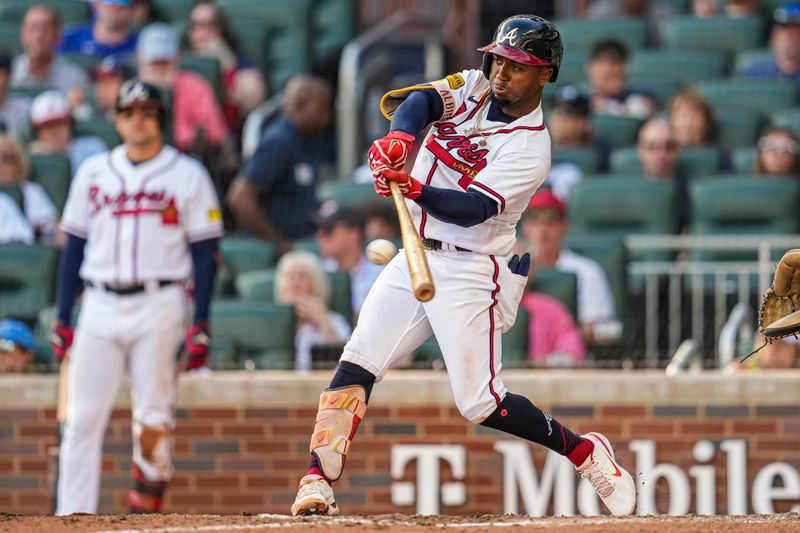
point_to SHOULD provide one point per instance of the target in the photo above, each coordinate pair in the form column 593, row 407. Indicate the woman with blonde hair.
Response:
column 38, row 208
column 301, row 283
column 692, row 120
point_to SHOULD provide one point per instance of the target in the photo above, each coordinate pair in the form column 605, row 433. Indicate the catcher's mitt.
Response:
column 780, row 309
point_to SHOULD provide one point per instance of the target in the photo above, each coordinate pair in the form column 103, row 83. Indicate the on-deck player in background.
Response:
column 485, row 155
column 140, row 219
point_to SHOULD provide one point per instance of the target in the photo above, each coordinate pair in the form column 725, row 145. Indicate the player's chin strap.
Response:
column 146, row 496
column 340, row 412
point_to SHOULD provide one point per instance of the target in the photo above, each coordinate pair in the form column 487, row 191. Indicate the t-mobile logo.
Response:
column 429, row 489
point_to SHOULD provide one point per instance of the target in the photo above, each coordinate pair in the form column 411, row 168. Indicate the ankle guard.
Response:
column 146, row 496
column 340, row 412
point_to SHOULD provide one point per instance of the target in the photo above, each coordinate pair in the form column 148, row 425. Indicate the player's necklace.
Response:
column 476, row 129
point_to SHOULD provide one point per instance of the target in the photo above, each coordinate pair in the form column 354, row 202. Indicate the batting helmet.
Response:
column 137, row 93
column 526, row 39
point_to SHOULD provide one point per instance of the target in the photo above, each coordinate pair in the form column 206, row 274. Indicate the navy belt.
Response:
column 433, row 244
column 128, row 290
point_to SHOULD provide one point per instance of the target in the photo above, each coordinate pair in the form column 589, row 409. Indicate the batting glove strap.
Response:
column 389, row 152
column 61, row 339
column 410, row 187
column 198, row 341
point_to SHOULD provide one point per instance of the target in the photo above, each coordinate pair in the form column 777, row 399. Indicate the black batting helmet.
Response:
column 137, row 93
column 526, row 39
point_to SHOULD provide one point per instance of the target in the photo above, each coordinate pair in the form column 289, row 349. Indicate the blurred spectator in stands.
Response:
column 778, row 153
column 109, row 33
column 39, row 65
column 705, row 8
column 743, row 8
column 784, row 41
column 301, row 283
column 607, row 73
column 692, row 120
column 14, row 226
column 340, row 236
column 209, row 34
column 658, row 151
column 16, row 347
column 274, row 195
column 545, row 225
column 570, row 124
column 143, row 12
column 13, row 109
column 52, row 126
column 38, row 207
column 194, row 105
column 554, row 341
column 108, row 76
column 381, row 222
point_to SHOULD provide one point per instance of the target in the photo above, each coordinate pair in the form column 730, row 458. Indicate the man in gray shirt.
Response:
column 13, row 110
column 40, row 66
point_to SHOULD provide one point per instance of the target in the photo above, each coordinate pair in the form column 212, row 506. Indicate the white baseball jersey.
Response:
column 477, row 295
column 465, row 150
column 138, row 219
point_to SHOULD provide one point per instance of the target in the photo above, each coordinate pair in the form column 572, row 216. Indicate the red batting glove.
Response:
column 60, row 339
column 198, row 341
column 389, row 152
column 410, row 187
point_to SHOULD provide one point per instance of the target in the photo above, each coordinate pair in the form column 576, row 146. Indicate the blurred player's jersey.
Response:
column 465, row 150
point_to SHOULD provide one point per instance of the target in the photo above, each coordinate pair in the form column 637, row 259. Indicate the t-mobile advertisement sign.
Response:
column 557, row 482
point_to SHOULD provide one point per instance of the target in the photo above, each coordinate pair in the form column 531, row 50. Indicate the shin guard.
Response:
column 340, row 412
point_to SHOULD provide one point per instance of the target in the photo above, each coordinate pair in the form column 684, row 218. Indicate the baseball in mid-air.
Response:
column 381, row 251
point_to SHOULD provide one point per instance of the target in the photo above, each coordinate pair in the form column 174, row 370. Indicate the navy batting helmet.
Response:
column 137, row 93
column 526, row 39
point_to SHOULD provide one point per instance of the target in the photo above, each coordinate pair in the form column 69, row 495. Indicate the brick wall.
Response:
column 247, row 455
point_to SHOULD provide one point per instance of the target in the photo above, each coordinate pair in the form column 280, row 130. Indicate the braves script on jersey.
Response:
column 138, row 222
column 477, row 296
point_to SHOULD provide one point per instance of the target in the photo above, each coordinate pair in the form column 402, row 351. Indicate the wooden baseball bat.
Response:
column 421, row 279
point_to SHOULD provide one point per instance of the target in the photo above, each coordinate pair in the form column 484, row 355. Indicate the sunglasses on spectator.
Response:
column 544, row 215
column 8, row 157
column 776, row 145
column 665, row 146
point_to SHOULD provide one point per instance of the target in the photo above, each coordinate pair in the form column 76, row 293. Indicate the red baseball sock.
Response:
column 582, row 450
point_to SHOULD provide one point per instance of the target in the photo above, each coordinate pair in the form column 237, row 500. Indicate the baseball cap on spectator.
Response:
column 546, row 199
column 331, row 213
column 49, row 107
column 571, row 101
column 16, row 333
column 157, row 42
column 787, row 15
column 110, row 67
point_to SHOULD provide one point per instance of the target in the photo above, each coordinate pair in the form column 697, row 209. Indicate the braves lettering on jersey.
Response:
column 139, row 218
column 465, row 150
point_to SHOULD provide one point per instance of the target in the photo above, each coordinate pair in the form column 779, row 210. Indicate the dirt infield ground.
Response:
column 396, row 522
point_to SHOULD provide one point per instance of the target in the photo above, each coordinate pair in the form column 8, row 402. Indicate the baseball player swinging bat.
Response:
column 421, row 279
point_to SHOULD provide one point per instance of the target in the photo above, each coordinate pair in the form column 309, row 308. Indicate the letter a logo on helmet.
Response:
column 526, row 39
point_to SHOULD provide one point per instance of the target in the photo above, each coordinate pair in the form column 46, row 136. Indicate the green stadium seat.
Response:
column 307, row 244
column 572, row 70
column 27, row 280
column 684, row 66
column 53, row 173
column 9, row 37
column 15, row 193
column 173, row 10
column 260, row 332
column 787, row 118
column 746, row 58
column 99, row 127
column 84, row 61
column 346, row 192
column 334, row 23
column 613, row 176
column 719, row 33
column 562, row 286
column 619, row 130
column 764, row 96
column 744, row 159
column 581, row 35
column 625, row 161
column 595, row 208
column 515, row 346
column 259, row 286
column 208, row 68
column 663, row 90
column 743, row 206
column 240, row 255
column 610, row 253
column 71, row 11
column 678, row 6
column 737, row 127
column 585, row 157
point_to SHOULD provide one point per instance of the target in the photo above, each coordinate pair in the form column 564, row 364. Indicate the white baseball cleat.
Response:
column 612, row 482
column 315, row 496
